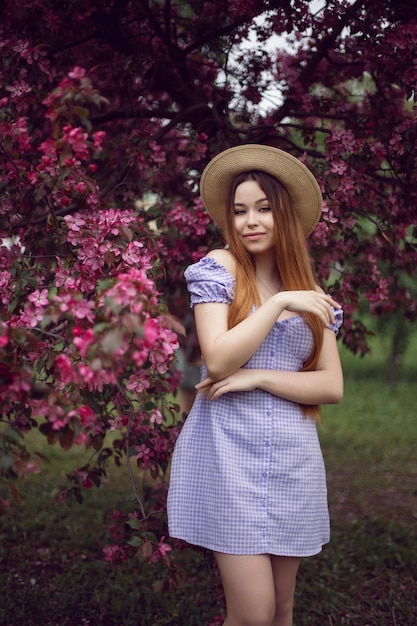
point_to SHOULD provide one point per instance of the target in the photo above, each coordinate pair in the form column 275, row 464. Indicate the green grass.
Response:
column 367, row 576
column 51, row 567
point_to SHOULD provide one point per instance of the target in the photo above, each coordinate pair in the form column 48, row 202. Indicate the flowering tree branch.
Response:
column 102, row 147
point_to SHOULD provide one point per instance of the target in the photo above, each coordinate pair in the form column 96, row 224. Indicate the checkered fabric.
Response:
column 247, row 472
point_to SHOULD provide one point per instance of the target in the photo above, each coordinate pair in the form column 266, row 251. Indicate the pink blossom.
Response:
column 397, row 144
column 23, row 468
column 83, row 310
column 32, row 177
column 380, row 294
column 151, row 331
column 86, row 373
column 4, row 280
column 142, row 451
column 83, row 339
column 82, row 438
column 158, row 154
column 4, row 337
column 341, row 141
column 77, row 73
column 156, row 417
column 19, row 88
column 321, row 234
column 338, row 167
column 88, row 418
column 114, row 554
column 138, row 382
column 65, row 300
column 31, row 316
column 75, row 222
column 131, row 254
column 161, row 354
column 328, row 215
column 140, row 355
column 39, row 298
column 101, row 378
column 19, row 386
column 81, row 187
column 20, row 131
column 67, row 372
column 118, row 422
column 99, row 137
column 51, row 412
column 48, row 147
column 86, row 481
column 161, row 551
column 77, row 139
column 89, row 257
column 21, row 47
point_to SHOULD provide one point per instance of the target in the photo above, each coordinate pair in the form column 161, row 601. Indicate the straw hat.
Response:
column 299, row 182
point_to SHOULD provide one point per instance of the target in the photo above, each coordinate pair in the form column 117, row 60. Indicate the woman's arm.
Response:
column 324, row 385
column 226, row 350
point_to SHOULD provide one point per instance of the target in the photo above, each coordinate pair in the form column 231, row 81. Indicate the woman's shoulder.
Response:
column 223, row 257
column 211, row 279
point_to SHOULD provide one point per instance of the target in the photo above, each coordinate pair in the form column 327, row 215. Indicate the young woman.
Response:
column 248, row 479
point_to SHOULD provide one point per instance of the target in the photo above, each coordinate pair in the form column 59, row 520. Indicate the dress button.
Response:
column 268, row 413
column 267, row 444
column 263, row 503
column 264, row 474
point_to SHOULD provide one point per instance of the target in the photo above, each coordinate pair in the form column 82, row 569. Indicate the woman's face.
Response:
column 253, row 218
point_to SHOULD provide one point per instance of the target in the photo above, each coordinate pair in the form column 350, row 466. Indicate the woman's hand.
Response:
column 241, row 380
column 312, row 301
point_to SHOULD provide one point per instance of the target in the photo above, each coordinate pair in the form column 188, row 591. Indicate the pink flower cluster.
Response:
column 100, row 332
column 192, row 222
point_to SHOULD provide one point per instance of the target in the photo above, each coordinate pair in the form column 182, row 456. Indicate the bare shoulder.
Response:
column 225, row 258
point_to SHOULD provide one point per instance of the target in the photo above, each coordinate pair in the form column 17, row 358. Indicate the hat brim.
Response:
column 221, row 171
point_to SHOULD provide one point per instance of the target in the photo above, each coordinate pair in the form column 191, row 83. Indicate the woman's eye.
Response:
column 239, row 212
column 264, row 209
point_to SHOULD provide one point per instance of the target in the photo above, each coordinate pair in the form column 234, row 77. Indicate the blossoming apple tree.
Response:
column 109, row 111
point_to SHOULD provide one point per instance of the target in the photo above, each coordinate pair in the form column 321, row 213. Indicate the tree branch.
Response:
column 306, row 75
column 129, row 466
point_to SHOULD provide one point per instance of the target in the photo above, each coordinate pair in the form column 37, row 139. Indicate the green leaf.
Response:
column 134, row 523
column 6, row 461
column 12, row 435
column 81, row 112
column 135, row 542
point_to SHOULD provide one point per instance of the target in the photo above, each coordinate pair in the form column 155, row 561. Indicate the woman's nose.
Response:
column 252, row 218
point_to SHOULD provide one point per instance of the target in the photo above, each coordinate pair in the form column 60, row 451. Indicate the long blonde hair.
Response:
column 292, row 259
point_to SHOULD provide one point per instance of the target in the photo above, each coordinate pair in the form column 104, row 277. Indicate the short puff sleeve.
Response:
column 338, row 316
column 208, row 281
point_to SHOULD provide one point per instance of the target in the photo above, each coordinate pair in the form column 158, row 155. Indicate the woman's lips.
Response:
column 254, row 236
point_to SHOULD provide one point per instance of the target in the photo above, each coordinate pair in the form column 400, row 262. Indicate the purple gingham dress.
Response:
column 247, row 472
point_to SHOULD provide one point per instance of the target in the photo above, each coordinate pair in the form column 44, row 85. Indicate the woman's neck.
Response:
column 266, row 268
column 267, row 277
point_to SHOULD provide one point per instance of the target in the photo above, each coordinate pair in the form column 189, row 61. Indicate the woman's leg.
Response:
column 259, row 589
column 248, row 585
column 285, row 574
